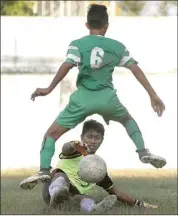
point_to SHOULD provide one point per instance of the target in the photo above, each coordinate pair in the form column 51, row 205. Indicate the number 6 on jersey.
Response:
column 96, row 57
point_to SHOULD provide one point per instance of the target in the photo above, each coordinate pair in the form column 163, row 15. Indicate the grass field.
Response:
column 154, row 186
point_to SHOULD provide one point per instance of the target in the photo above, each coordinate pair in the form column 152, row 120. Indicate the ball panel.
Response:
column 92, row 169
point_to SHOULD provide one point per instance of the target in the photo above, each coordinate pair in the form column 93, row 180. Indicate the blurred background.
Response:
column 34, row 39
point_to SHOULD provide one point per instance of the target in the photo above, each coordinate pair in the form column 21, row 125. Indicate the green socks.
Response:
column 47, row 152
column 134, row 133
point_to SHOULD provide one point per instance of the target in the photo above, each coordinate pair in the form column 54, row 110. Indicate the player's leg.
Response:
column 120, row 114
column 47, row 151
column 57, row 190
column 88, row 203
column 135, row 134
column 70, row 117
column 45, row 192
column 55, row 131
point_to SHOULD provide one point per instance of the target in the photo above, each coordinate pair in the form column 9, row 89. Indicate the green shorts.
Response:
column 84, row 102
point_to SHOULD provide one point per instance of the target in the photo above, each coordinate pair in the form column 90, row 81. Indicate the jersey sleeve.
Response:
column 106, row 183
column 126, row 58
column 73, row 54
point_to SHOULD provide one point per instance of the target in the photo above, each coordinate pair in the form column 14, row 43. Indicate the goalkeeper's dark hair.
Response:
column 93, row 125
column 97, row 16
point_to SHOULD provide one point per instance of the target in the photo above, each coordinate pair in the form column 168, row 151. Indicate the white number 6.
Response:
column 96, row 57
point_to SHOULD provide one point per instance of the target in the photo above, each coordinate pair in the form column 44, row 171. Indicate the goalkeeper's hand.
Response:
column 80, row 147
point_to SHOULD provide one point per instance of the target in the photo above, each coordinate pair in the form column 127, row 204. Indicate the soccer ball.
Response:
column 92, row 169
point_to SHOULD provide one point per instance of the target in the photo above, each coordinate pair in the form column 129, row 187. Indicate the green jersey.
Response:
column 96, row 57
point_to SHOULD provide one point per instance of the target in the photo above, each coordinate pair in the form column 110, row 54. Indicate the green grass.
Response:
column 154, row 186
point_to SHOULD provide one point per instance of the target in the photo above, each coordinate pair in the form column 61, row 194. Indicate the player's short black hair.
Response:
column 97, row 16
column 93, row 125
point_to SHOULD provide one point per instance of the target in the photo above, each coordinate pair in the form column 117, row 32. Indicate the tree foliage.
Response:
column 131, row 8
column 165, row 5
column 134, row 8
column 17, row 8
column 123, row 8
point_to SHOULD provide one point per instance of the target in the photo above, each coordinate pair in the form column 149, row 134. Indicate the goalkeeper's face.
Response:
column 93, row 139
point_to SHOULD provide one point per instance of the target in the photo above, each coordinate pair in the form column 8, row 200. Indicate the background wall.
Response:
column 37, row 44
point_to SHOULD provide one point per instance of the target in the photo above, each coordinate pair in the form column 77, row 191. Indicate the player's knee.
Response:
column 56, row 184
column 123, row 120
column 62, row 177
column 52, row 133
column 55, row 131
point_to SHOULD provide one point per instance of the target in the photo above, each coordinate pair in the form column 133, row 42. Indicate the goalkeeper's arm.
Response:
column 68, row 148
column 108, row 185
column 128, row 199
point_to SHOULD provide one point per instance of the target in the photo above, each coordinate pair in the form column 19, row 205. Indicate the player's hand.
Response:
column 157, row 104
column 80, row 147
column 77, row 143
column 40, row 92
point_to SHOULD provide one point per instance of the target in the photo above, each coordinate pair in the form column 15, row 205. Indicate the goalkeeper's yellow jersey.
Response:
column 70, row 167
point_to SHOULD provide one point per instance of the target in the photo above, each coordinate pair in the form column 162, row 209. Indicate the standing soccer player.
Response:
column 96, row 57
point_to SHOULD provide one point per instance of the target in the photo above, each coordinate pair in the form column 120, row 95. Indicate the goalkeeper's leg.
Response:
column 88, row 203
column 57, row 190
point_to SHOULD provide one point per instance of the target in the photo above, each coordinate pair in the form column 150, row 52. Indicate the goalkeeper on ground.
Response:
column 65, row 183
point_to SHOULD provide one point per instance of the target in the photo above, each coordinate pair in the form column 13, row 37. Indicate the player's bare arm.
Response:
column 156, row 102
column 126, row 198
column 122, row 196
column 62, row 72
